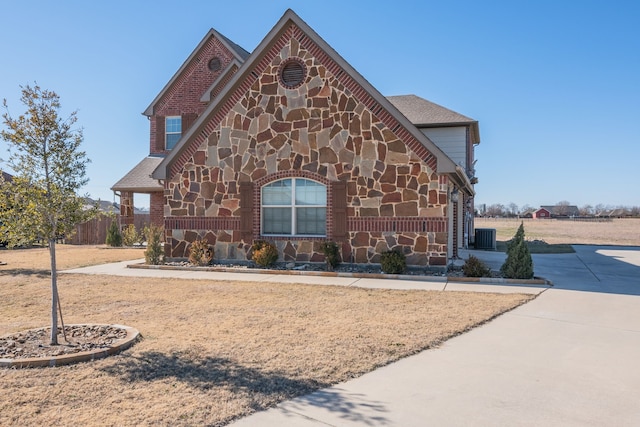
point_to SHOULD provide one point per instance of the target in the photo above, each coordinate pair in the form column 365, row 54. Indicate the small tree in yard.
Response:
column 518, row 264
column 41, row 202
column 154, row 254
column 114, row 237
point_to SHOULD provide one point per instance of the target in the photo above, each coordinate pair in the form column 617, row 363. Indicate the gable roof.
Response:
column 362, row 89
column 139, row 178
column 423, row 113
column 238, row 52
column 562, row 210
column 6, row 176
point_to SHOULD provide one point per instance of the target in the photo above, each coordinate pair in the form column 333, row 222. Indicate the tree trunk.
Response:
column 54, row 293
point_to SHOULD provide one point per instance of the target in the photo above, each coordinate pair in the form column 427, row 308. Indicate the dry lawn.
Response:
column 624, row 232
column 212, row 351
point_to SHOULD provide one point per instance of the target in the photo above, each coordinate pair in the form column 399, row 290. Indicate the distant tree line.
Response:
column 512, row 210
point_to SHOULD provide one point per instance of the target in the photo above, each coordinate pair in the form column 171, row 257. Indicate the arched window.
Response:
column 294, row 207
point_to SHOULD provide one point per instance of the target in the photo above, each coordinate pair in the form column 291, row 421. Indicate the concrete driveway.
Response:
column 569, row 358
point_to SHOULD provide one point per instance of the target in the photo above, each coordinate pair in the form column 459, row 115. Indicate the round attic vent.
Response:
column 215, row 64
column 292, row 73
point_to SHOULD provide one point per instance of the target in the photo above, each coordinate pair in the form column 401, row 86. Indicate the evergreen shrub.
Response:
column 264, row 253
column 130, row 235
column 393, row 262
column 518, row 264
column 331, row 251
column 200, row 253
column 474, row 267
column 154, row 254
column 114, row 238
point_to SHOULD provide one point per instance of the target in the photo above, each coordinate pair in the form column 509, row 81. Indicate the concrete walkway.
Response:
column 569, row 358
column 434, row 283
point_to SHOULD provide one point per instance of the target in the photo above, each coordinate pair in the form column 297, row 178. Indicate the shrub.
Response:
column 114, row 238
column 200, row 253
column 393, row 262
column 154, row 254
column 518, row 264
column 473, row 267
column 264, row 253
column 331, row 252
column 130, row 235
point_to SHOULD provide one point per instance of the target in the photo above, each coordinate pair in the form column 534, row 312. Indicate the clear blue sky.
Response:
column 554, row 84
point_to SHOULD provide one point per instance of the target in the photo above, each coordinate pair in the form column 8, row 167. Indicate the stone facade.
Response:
column 327, row 129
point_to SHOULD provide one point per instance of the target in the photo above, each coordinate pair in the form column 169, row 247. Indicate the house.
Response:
column 529, row 213
column 541, row 213
column 291, row 144
column 559, row 211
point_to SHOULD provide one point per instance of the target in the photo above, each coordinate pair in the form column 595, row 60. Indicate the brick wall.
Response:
column 183, row 97
column 156, row 208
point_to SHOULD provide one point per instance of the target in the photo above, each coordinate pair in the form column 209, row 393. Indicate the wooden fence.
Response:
column 94, row 232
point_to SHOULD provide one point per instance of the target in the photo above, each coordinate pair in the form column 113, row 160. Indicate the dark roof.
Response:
column 7, row 177
column 424, row 113
column 562, row 210
column 108, row 207
column 139, row 178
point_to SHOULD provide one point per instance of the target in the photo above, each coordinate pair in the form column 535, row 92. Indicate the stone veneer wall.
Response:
column 323, row 130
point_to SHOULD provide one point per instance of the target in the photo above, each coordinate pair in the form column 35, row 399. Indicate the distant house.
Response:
column 557, row 211
column 106, row 207
column 541, row 213
column 614, row 213
column 528, row 213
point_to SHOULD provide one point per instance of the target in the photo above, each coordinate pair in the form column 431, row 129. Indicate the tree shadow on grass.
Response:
column 265, row 388
column 38, row 272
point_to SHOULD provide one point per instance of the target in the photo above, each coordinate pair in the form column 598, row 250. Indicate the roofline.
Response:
column 460, row 178
column 140, row 190
column 224, row 40
column 206, row 96
column 444, row 163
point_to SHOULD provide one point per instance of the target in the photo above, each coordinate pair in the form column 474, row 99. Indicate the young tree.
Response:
column 41, row 201
column 519, row 264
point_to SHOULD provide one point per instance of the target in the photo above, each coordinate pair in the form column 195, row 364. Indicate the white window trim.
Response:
column 166, row 132
column 293, row 206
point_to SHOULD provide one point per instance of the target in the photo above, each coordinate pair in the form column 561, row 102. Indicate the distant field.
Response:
column 625, row 232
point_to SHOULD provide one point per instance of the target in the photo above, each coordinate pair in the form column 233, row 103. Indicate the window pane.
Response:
column 277, row 193
column 173, row 125
column 172, row 139
column 310, row 193
column 311, row 221
column 276, row 221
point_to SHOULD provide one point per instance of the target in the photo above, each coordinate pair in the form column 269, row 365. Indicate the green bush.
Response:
column 114, row 238
column 331, row 252
column 473, row 267
column 130, row 235
column 264, row 253
column 200, row 253
column 154, row 254
column 393, row 262
column 518, row 264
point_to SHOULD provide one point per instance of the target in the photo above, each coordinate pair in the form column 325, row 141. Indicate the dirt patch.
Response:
column 75, row 339
column 213, row 351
